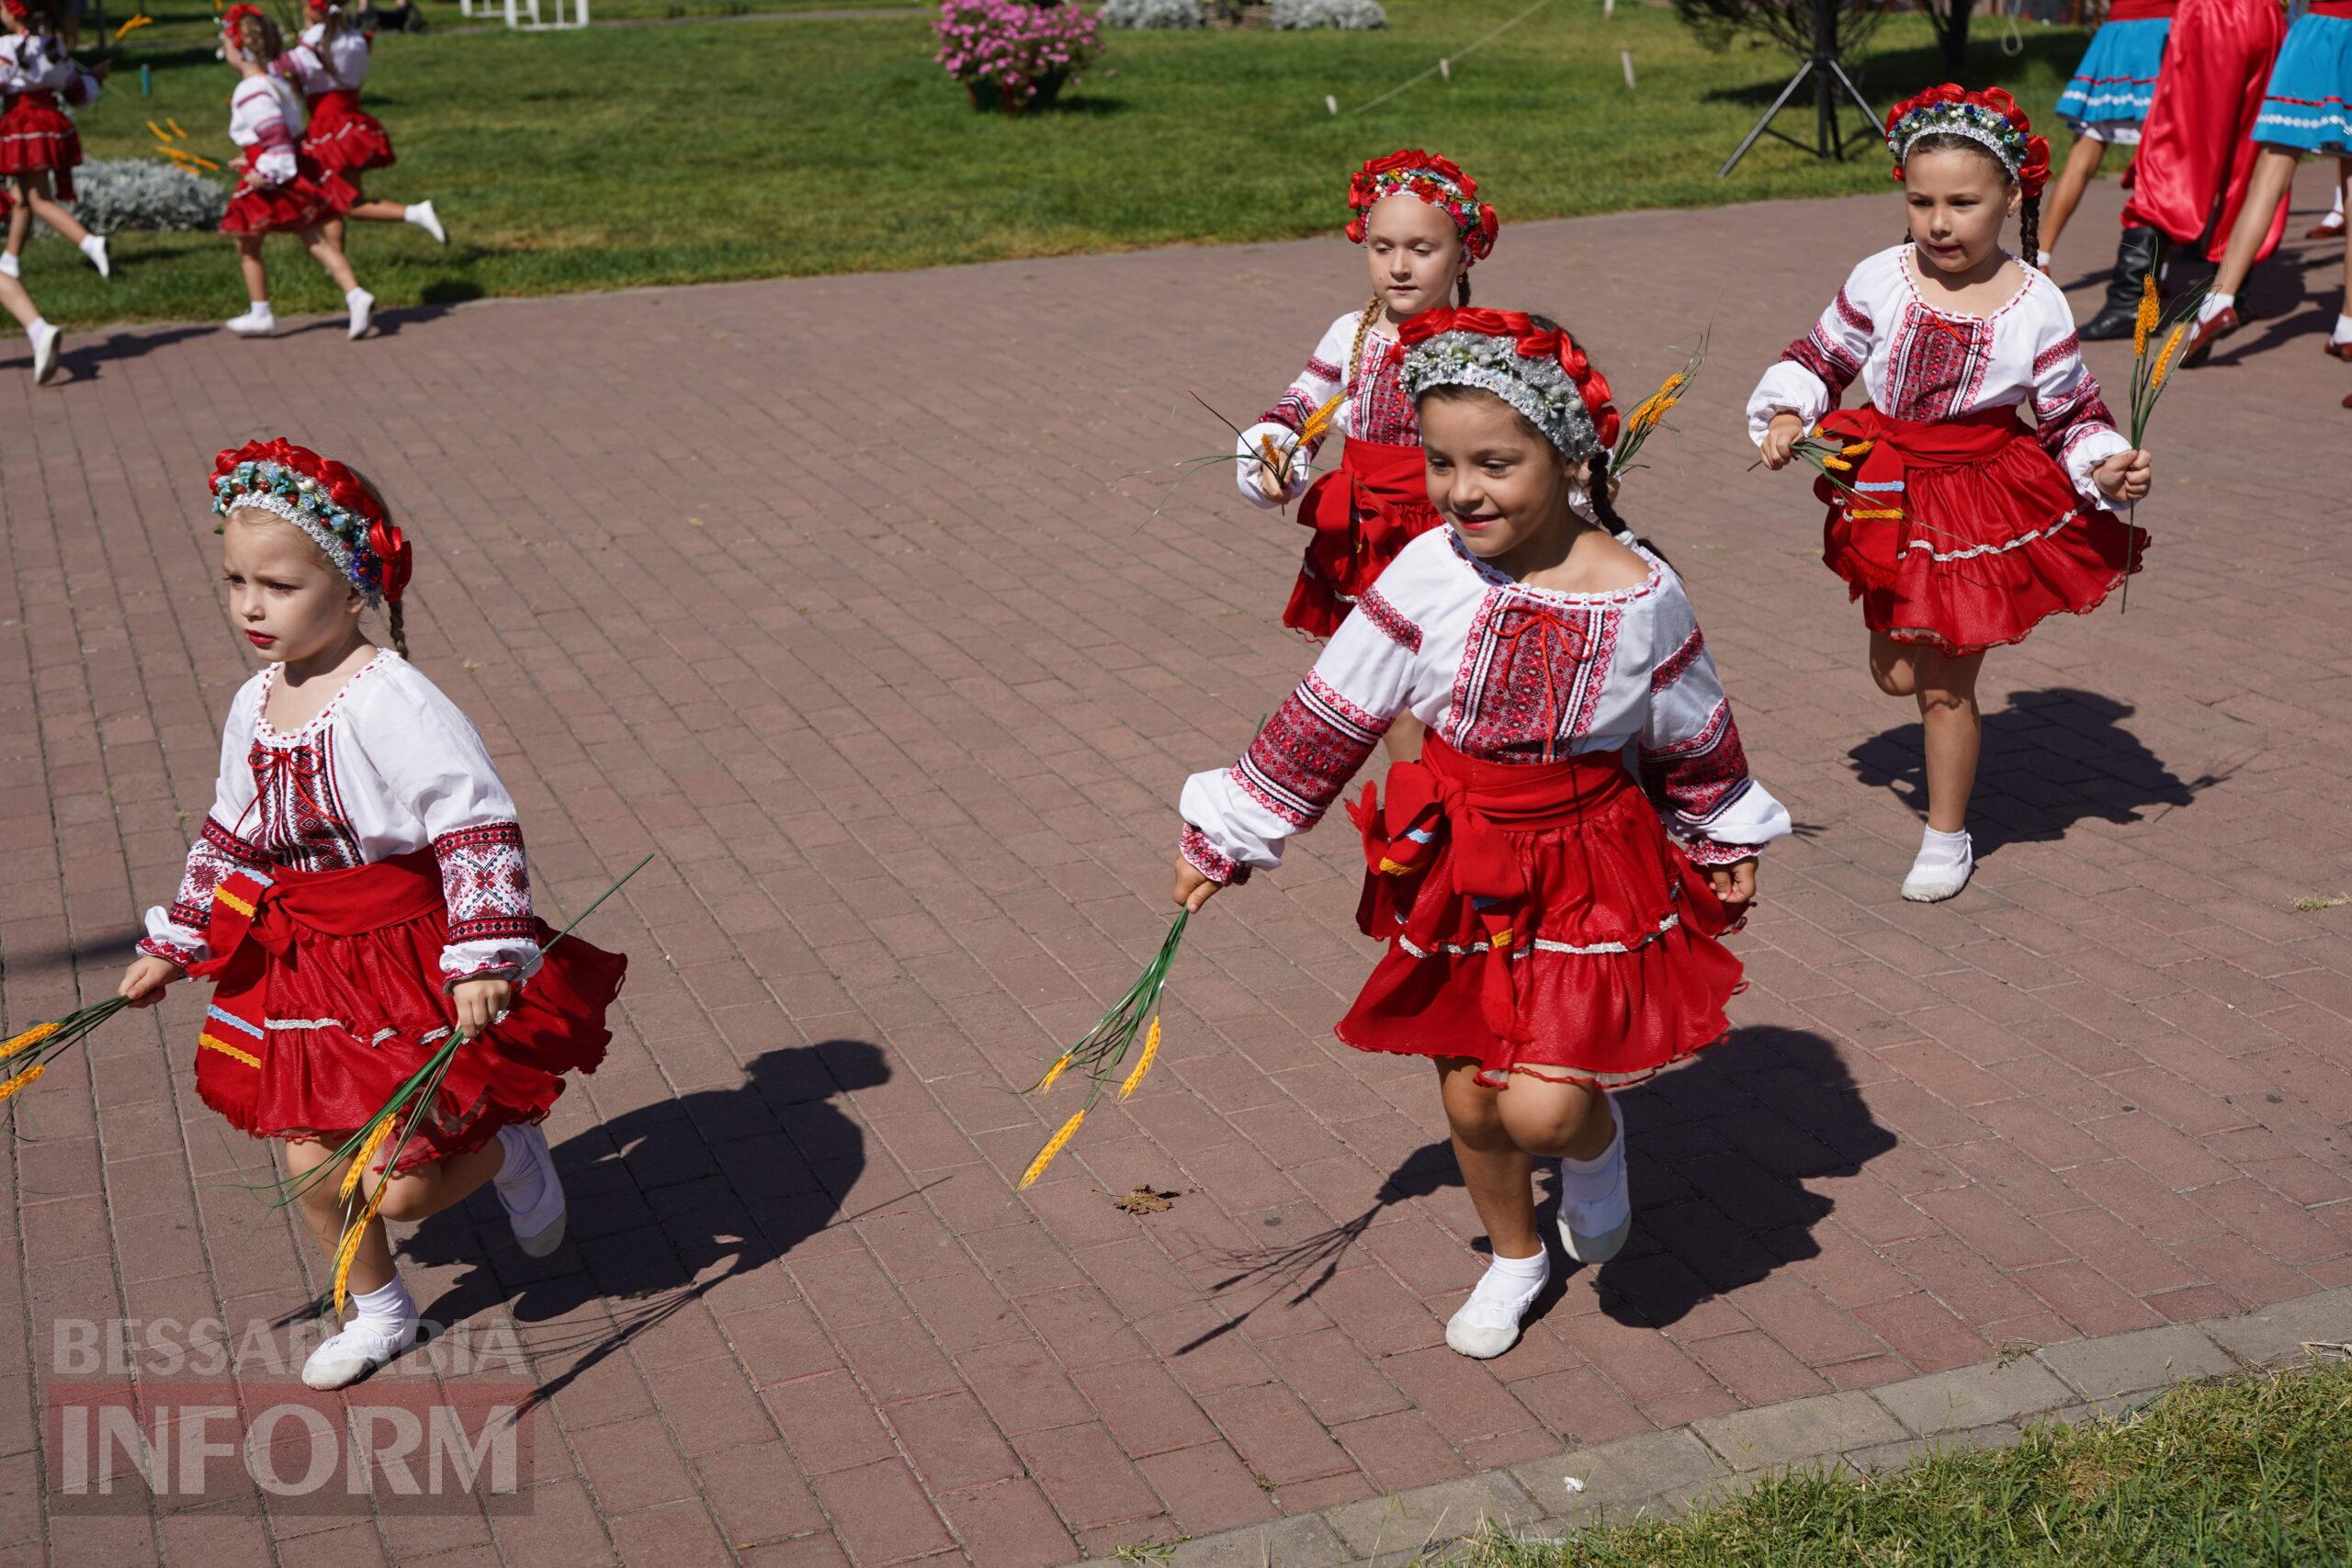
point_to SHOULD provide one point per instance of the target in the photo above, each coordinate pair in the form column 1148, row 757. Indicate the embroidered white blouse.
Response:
column 1377, row 407
column 388, row 767
column 1917, row 361
column 1500, row 669
column 267, row 113
column 316, row 66
column 36, row 62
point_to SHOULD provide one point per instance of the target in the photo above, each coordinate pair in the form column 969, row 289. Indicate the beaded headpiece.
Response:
column 327, row 502
column 1991, row 119
column 1536, row 369
column 1438, row 181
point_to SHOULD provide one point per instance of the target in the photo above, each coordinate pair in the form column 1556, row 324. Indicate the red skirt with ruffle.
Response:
column 1966, row 534
column 1539, row 919
column 1374, row 504
column 345, row 138
column 329, row 997
column 36, row 135
column 308, row 199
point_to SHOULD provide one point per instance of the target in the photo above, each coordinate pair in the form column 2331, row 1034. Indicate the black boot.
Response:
column 2135, row 257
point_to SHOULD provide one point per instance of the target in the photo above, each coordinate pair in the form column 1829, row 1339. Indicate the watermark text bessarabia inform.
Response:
column 180, row 1411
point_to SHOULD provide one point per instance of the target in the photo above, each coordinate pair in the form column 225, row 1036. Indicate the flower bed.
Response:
column 1013, row 55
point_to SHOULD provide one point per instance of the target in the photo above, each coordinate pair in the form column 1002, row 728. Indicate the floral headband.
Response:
column 327, row 502
column 1538, row 370
column 1438, row 181
column 1991, row 119
column 234, row 15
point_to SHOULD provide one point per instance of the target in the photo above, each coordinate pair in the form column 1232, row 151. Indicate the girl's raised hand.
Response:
column 1781, row 439
column 2126, row 477
column 1735, row 884
column 1192, row 889
column 144, row 981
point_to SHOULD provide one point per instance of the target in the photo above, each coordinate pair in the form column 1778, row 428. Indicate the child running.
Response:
column 280, row 189
column 360, row 890
column 328, row 64
column 1957, row 527
column 38, row 144
column 1422, row 227
column 1550, row 939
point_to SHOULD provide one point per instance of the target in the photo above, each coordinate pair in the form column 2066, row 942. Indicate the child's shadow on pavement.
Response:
column 665, row 1202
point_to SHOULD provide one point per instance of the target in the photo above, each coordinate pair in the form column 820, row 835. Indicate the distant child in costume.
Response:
column 281, row 188
column 328, row 65
column 2305, row 111
column 1957, row 527
column 359, row 891
column 2105, row 102
column 1422, row 227
column 1550, row 938
column 45, row 338
column 38, row 144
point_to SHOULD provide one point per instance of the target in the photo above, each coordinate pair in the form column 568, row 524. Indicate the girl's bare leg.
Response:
column 16, row 302
column 1496, row 1169
column 373, row 212
column 1403, row 741
column 1556, row 1121
column 2082, row 162
column 33, row 200
column 2274, row 171
column 411, row 1197
column 329, row 254
column 20, row 216
column 1894, row 665
column 255, row 270
column 1954, row 733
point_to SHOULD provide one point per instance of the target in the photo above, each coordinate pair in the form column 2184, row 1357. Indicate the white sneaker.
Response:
column 1488, row 1323
column 46, row 340
column 10, row 266
column 260, row 321
column 1596, row 1204
column 1945, row 862
column 424, row 217
column 94, row 247
column 539, row 1226
column 358, row 1349
column 363, row 309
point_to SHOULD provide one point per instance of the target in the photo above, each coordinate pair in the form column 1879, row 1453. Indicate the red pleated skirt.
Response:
column 329, row 997
column 345, row 138
column 36, row 135
column 1556, row 930
column 1988, row 538
column 1374, row 504
column 308, row 199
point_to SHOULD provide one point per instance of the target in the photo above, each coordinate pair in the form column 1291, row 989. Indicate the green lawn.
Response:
column 2254, row 1471
column 798, row 147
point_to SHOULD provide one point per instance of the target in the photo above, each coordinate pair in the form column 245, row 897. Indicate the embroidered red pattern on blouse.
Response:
column 1307, row 751
column 1374, row 607
column 1531, row 676
column 486, row 882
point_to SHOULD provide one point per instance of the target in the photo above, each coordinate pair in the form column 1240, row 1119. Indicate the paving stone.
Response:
column 1799, row 1429
column 1972, row 1396
column 2136, row 1362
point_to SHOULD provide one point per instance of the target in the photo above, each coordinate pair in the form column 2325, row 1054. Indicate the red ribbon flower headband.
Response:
column 323, row 499
column 1991, row 119
column 1536, row 369
column 1438, row 181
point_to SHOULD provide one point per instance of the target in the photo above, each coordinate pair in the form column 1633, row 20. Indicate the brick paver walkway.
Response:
column 827, row 590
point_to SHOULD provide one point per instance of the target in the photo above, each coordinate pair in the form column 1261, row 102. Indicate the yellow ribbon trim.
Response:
column 222, row 895
column 1390, row 868
column 1860, row 515
column 214, row 1042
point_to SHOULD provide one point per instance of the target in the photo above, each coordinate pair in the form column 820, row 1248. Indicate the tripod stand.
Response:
column 1828, row 74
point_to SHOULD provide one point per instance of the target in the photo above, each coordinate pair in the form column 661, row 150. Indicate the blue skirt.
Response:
column 2303, row 107
column 2112, row 86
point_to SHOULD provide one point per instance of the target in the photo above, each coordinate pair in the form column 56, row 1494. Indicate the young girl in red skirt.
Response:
column 328, row 65
column 1957, row 526
column 281, row 188
column 1422, row 226
column 359, row 891
column 1550, row 937
column 38, row 144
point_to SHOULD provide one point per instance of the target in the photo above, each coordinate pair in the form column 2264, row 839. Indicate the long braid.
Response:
column 2029, row 230
column 399, row 629
column 1355, row 350
column 1461, row 290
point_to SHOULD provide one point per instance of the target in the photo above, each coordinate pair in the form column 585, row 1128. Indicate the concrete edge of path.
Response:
column 1984, row 1406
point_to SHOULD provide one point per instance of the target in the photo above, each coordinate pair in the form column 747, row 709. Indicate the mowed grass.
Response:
column 624, row 156
column 2252, row 1471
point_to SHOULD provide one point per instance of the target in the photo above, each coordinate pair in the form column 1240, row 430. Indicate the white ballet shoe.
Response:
column 259, row 321
column 537, row 1217
column 1945, row 862
column 424, row 217
column 94, row 247
column 1597, row 1201
column 363, row 310
column 46, row 340
column 358, row 1349
column 1488, row 1323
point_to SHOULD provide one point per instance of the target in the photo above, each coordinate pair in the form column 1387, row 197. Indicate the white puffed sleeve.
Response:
column 1814, row 372
column 1692, row 766
column 176, row 933
column 1327, row 369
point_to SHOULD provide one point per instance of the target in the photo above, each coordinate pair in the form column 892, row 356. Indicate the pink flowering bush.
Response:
column 1012, row 52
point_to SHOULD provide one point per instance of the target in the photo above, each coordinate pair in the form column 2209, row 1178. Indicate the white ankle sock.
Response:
column 41, row 324
column 1946, row 849
column 1590, row 1180
column 2215, row 303
column 1506, row 1289
column 353, row 296
column 519, row 1178
column 2042, row 260
column 413, row 213
column 2343, row 332
column 387, row 1307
